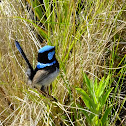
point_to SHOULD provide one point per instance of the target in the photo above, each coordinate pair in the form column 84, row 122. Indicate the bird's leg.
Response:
column 49, row 89
column 47, row 94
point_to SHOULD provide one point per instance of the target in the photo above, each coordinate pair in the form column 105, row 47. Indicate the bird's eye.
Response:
column 50, row 55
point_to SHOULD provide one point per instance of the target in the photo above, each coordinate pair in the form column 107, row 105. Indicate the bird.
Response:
column 47, row 68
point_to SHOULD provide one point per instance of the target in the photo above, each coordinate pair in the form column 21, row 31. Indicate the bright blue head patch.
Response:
column 51, row 54
column 46, row 48
column 42, row 65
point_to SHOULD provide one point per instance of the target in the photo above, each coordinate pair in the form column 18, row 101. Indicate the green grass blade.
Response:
column 105, row 116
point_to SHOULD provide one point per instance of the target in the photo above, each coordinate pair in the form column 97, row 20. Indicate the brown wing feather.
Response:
column 40, row 75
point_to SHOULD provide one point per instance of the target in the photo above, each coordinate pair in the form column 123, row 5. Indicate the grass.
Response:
column 91, row 41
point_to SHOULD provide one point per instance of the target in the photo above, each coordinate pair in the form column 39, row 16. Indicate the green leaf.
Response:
column 87, row 100
column 105, row 96
column 107, row 80
column 101, row 87
column 92, row 93
column 95, row 84
column 90, row 86
column 95, row 120
column 105, row 116
column 99, row 91
column 87, row 82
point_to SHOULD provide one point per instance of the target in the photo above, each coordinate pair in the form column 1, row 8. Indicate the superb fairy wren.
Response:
column 47, row 67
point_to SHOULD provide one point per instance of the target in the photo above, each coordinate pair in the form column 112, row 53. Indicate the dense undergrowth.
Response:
column 90, row 40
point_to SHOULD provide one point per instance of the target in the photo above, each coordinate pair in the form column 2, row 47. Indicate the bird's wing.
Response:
column 40, row 76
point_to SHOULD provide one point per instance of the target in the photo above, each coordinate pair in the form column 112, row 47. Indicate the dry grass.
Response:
column 97, row 34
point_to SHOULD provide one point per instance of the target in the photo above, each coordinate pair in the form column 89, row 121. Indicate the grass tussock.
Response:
column 90, row 37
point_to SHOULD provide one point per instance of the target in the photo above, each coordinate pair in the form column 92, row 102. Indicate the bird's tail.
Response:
column 23, row 54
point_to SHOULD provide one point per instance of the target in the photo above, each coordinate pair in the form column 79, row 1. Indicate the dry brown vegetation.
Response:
column 100, row 49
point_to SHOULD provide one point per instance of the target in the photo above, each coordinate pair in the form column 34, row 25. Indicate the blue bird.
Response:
column 47, row 68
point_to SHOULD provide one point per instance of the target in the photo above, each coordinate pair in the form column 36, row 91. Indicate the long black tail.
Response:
column 23, row 54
